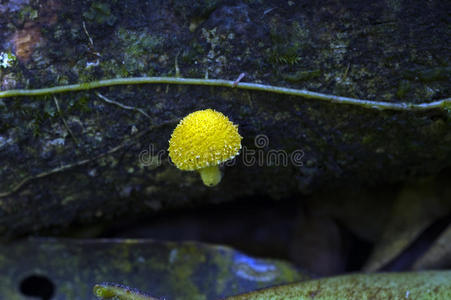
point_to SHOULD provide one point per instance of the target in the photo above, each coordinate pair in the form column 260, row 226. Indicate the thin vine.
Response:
column 107, row 100
column 370, row 104
column 15, row 188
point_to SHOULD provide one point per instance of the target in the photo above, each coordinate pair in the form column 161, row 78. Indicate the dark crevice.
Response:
column 418, row 248
column 37, row 286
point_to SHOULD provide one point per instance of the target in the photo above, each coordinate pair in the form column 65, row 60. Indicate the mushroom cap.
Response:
column 204, row 138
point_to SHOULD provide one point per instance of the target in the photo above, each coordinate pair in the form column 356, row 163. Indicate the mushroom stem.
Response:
column 211, row 176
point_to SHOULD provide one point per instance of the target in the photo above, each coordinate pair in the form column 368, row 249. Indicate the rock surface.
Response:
column 68, row 269
column 75, row 158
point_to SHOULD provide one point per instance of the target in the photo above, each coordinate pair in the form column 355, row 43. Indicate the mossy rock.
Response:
column 186, row 270
column 377, row 50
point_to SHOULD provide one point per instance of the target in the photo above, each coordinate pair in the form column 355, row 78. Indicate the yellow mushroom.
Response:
column 203, row 140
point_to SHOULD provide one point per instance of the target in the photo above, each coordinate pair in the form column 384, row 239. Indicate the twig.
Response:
column 370, row 104
column 64, row 121
column 87, row 34
column 45, row 174
column 91, row 42
column 122, row 105
column 235, row 83
column 124, row 143
column 177, row 69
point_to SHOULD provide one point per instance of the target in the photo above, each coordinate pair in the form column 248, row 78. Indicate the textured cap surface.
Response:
column 204, row 138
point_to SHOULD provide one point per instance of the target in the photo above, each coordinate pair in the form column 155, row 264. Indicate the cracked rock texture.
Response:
column 394, row 51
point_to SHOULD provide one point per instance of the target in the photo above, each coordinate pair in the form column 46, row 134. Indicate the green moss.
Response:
column 36, row 115
column 7, row 59
column 35, row 127
column 284, row 55
column 403, row 88
column 288, row 274
column 428, row 75
column 222, row 262
column 288, row 43
column 140, row 51
column 79, row 104
column 187, row 259
column 415, row 285
column 193, row 53
column 367, row 139
column 435, row 74
column 188, row 9
column 138, row 43
column 114, row 68
column 100, row 13
column 301, row 75
column 85, row 75
column 27, row 13
column 436, row 129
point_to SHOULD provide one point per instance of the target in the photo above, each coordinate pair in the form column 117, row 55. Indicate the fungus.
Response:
column 202, row 141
